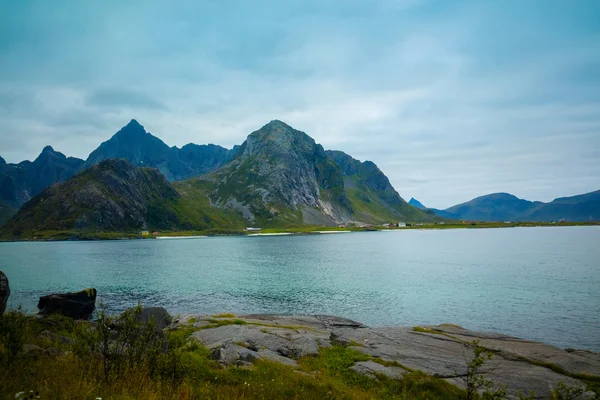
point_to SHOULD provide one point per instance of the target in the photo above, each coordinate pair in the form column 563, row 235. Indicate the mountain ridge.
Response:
column 507, row 207
column 133, row 143
column 279, row 177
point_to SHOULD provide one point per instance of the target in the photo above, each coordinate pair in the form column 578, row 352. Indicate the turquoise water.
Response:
column 535, row 283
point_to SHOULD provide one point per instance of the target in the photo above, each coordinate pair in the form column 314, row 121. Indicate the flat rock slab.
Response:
column 447, row 357
column 286, row 342
column 443, row 351
column 577, row 361
column 372, row 369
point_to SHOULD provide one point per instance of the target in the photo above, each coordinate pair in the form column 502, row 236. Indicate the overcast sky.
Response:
column 451, row 99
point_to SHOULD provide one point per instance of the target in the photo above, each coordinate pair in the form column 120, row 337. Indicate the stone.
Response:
column 56, row 338
column 285, row 342
column 371, row 369
column 443, row 351
column 76, row 305
column 54, row 352
column 446, row 357
column 270, row 355
column 4, row 292
column 233, row 354
column 158, row 315
column 32, row 350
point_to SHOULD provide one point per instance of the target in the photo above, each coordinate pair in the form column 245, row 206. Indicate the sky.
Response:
column 451, row 99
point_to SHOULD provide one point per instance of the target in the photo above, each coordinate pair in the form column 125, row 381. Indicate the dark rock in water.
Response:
column 4, row 292
column 77, row 305
column 158, row 315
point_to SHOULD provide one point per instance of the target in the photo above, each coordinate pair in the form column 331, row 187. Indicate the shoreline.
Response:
column 70, row 236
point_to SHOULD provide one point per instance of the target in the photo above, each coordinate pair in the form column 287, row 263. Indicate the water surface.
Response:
column 535, row 283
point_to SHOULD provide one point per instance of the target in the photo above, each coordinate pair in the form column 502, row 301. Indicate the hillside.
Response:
column 142, row 149
column 112, row 196
column 371, row 194
column 506, row 207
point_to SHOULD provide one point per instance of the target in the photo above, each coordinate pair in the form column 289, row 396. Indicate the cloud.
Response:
column 452, row 100
column 113, row 98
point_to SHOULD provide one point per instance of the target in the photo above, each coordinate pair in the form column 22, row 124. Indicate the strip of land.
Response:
column 93, row 235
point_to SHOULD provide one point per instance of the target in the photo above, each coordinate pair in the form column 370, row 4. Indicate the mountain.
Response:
column 506, row 207
column 416, row 203
column 280, row 177
column 112, row 196
column 371, row 194
column 20, row 182
column 141, row 148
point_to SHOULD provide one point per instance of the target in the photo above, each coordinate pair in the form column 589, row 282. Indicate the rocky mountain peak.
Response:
column 132, row 130
column 48, row 153
column 278, row 138
column 48, row 149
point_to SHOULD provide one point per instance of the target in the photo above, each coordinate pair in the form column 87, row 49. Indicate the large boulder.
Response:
column 4, row 292
column 158, row 315
column 76, row 305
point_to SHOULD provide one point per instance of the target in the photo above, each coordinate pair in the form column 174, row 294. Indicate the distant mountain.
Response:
column 506, row 207
column 20, row 182
column 416, row 203
column 280, row 176
column 141, row 148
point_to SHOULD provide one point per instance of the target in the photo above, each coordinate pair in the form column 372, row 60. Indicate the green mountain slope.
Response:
column 373, row 198
column 115, row 196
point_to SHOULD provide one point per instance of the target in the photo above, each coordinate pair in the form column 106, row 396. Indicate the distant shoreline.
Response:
column 66, row 236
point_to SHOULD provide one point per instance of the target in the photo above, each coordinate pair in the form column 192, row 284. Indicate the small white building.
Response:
column 401, row 224
column 253, row 229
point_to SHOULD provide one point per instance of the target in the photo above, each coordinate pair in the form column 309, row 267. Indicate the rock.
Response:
column 54, row 352
column 32, row 350
column 286, row 342
column 77, row 305
column 158, row 315
column 371, row 369
column 4, row 292
column 270, row 355
column 233, row 354
column 56, row 338
column 446, row 357
column 443, row 351
column 574, row 361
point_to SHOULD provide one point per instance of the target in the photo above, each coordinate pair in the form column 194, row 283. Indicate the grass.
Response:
column 224, row 315
column 185, row 370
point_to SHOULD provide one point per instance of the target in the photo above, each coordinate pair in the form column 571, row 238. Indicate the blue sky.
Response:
column 451, row 99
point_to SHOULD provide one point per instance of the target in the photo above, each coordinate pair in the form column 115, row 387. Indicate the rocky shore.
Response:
column 442, row 351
